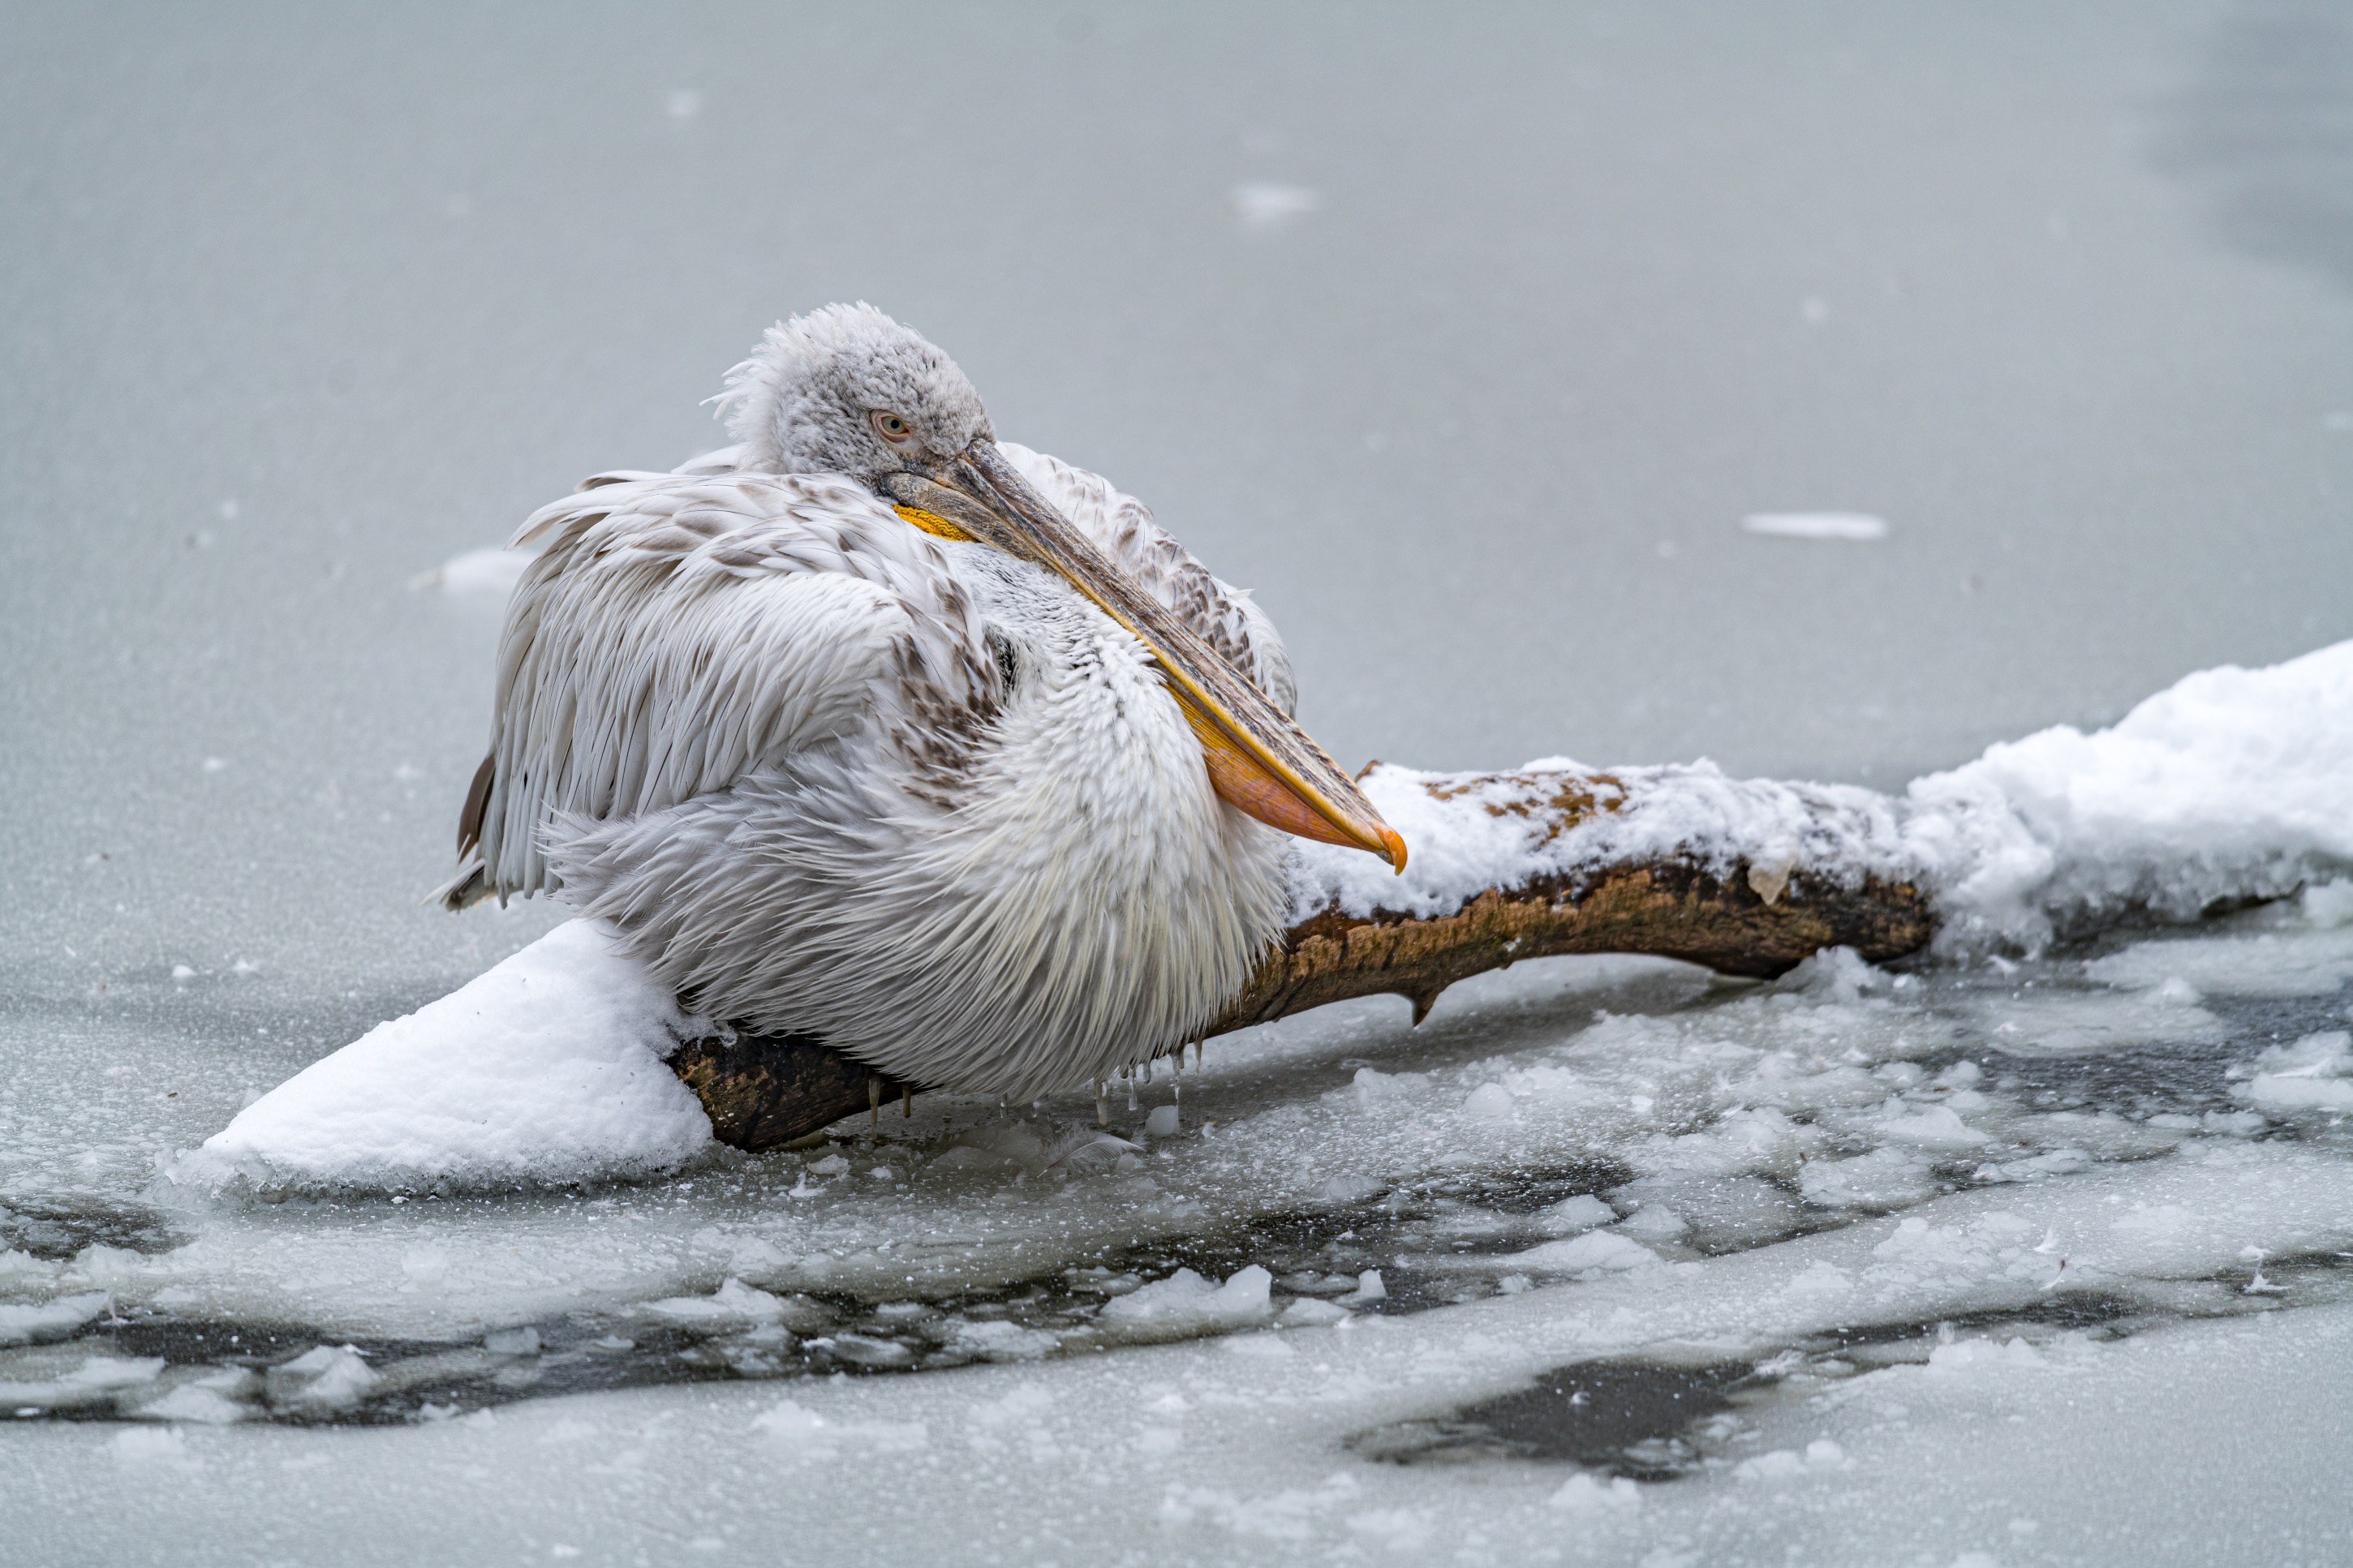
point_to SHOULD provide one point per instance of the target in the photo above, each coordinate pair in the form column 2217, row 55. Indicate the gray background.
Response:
column 297, row 302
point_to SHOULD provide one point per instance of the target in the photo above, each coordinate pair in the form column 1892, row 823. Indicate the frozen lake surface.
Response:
column 1477, row 348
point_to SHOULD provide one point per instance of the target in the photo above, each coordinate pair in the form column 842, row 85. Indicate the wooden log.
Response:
column 1668, row 910
column 761, row 1091
column 1756, row 915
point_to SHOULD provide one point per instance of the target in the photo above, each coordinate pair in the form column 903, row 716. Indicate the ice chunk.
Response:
column 1489, row 1102
column 1821, row 1455
column 324, row 1377
column 1938, row 1129
column 1571, row 1216
column 1307, row 1312
column 1089, row 1149
column 997, row 1339
column 1833, row 974
column 2035, row 1167
column 733, row 1299
column 213, row 1399
column 1964, row 1355
column 2042, row 1024
column 2327, row 905
column 2266, row 964
column 115, row 1372
column 1586, row 1494
column 1596, row 1252
column 870, row 1350
column 50, row 1319
column 1349, row 1187
column 1185, row 1301
column 2315, row 1073
column 1654, row 1222
column 1885, row 1177
column 1162, row 1122
column 1723, row 1209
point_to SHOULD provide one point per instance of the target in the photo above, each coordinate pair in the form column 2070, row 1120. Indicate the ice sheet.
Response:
column 1969, row 1441
column 1358, row 1224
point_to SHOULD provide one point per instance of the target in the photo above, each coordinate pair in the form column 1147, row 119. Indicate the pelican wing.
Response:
column 679, row 631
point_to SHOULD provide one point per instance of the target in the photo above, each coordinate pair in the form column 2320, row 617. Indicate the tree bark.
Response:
column 1759, row 916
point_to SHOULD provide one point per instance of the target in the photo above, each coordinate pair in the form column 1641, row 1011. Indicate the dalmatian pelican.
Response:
column 874, row 729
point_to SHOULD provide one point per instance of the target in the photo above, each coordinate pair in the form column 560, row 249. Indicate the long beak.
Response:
column 1260, row 761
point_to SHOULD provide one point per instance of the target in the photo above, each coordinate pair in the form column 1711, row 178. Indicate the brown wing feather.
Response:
column 478, row 799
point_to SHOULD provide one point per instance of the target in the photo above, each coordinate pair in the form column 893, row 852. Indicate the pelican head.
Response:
column 848, row 390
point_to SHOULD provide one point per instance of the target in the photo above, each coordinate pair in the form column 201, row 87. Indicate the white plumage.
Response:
column 834, row 775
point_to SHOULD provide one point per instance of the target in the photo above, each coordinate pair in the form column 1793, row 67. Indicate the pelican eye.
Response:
column 893, row 427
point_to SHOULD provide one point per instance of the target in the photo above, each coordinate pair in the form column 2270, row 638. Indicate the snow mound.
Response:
column 549, row 1069
column 2233, row 784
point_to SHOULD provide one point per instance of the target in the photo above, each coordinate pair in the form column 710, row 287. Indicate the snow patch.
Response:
column 1853, row 527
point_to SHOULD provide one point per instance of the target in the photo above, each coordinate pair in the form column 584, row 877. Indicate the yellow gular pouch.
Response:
column 930, row 522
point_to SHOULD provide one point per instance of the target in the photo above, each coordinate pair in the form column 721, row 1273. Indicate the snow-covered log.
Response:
column 2232, row 784
column 1748, row 878
column 567, row 1061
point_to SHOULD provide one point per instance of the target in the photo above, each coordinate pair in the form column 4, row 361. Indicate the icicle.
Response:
column 1129, row 1074
column 1103, row 1106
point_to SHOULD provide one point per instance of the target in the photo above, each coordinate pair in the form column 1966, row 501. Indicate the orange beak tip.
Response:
column 1395, row 842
